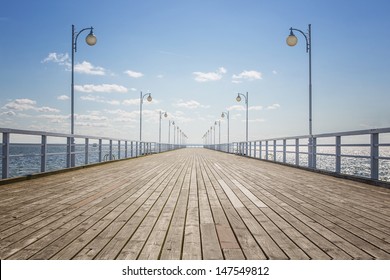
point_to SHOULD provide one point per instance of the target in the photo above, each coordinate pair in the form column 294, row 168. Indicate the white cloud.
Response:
column 60, row 58
column 236, row 108
column 255, row 108
column 87, row 68
column 131, row 101
column 273, row 106
column 63, row 97
column 101, row 88
column 20, row 104
column 25, row 104
column 8, row 113
column 191, row 104
column 274, row 72
column 160, row 76
column 47, row 110
column 256, row 120
column 247, row 75
column 210, row 76
column 100, row 99
column 242, row 108
column 133, row 74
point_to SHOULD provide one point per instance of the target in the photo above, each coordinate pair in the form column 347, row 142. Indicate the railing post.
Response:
column 126, row 149
column 374, row 156
column 100, row 149
column 110, row 152
column 43, row 152
column 297, row 152
column 274, row 150
column 314, row 153
column 266, row 150
column 260, row 150
column 338, row 154
column 69, row 151
column 86, row 151
column 119, row 149
column 5, row 160
column 284, row 150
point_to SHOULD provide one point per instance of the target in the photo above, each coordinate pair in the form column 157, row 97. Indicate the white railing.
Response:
column 27, row 152
column 363, row 153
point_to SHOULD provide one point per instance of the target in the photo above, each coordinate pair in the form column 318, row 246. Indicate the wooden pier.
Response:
column 193, row 204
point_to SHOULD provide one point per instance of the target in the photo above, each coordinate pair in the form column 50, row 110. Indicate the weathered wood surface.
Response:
column 193, row 204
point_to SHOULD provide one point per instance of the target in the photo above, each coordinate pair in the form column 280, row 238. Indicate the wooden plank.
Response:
column 193, row 204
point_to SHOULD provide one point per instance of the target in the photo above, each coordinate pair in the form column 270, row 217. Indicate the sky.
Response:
column 194, row 56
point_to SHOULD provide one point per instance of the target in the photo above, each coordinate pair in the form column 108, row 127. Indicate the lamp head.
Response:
column 291, row 40
column 149, row 97
column 166, row 114
column 91, row 38
column 222, row 115
column 238, row 98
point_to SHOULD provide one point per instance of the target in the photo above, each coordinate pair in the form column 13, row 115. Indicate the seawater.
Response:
column 25, row 158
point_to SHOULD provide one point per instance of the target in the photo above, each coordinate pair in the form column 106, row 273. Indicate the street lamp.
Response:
column 292, row 40
column 90, row 40
column 149, row 99
column 228, row 125
column 165, row 114
column 238, row 98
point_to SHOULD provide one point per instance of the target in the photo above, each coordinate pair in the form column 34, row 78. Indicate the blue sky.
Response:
column 194, row 56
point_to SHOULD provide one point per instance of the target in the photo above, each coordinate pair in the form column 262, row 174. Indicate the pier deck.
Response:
column 193, row 204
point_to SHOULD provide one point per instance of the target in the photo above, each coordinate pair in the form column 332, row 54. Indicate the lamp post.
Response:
column 228, row 125
column 159, row 130
column 292, row 40
column 219, row 130
column 90, row 40
column 141, row 99
column 174, row 133
column 169, row 131
column 238, row 98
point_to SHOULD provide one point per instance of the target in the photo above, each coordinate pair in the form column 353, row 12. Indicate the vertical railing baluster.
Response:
column 274, row 150
column 266, row 149
column 126, row 149
column 374, row 156
column 43, row 152
column 110, row 151
column 119, row 149
column 297, row 152
column 260, row 150
column 69, row 151
column 86, row 153
column 100, row 149
column 314, row 153
column 5, row 160
column 338, row 154
column 284, row 150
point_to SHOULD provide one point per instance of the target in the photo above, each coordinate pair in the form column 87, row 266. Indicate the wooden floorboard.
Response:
column 193, row 204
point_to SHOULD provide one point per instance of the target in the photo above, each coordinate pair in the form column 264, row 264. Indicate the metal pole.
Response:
column 219, row 137
column 159, row 135
column 228, row 136
column 72, row 85
column 247, row 109
column 140, row 116
column 169, row 133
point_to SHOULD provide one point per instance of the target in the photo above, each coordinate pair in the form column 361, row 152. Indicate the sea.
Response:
column 25, row 158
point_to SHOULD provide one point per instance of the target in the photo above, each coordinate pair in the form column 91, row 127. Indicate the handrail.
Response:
column 53, row 151
column 364, row 158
